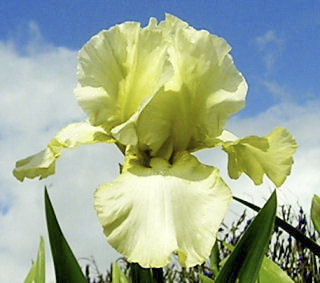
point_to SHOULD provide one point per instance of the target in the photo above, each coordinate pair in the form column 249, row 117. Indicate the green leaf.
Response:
column 205, row 279
column 140, row 274
column 245, row 261
column 298, row 235
column 37, row 273
column 271, row 272
column 145, row 275
column 214, row 259
column 117, row 274
column 66, row 266
column 315, row 212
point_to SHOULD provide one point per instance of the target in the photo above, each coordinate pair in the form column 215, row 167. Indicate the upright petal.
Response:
column 205, row 90
column 42, row 164
column 149, row 213
column 256, row 156
column 118, row 69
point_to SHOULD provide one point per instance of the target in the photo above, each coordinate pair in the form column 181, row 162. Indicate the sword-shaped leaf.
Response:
column 66, row 266
column 245, row 261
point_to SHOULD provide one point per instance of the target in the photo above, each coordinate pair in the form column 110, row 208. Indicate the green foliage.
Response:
column 214, row 259
column 292, row 254
column 315, row 212
column 271, row 272
column 205, row 279
column 139, row 274
column 37, row 273
column 296, row 233
column 66, row 266
column 286, row 255
column 117, row 274
column 245, row 261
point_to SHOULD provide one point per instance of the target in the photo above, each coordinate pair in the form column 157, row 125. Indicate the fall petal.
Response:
column 256, row 156
column 42, row 164
column 149, row 213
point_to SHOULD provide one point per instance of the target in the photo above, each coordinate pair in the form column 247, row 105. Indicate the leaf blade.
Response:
column 117, row 274
column 205, row 279
column 271, row 272
column 214, row 259
column 315, row 212
column 66, row 266
column 245, row 261
column 140, row 274
column 298, row 235
column 37, row 272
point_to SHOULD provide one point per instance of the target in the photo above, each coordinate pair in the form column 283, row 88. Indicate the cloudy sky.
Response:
column 275, row 45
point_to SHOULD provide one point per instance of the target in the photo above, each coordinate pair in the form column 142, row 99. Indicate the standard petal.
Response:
column 205, row 90
column 42, row 164
column 126, row 133
column 118, row 69
column 148, row 213
column 256, row 156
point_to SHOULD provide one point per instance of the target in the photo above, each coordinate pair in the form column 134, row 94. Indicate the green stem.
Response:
column 157, row 275
column 141, row 275
column 121, row 147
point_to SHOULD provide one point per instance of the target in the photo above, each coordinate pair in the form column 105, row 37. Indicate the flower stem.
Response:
column 157, row 274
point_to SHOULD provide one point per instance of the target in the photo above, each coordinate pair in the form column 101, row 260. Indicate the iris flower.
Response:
column 160, row 93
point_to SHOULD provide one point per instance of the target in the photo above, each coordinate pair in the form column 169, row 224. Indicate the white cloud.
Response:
column 284, row 94
column 36, row 100
column 271, row 46
column 268, row 38
column 278, row 91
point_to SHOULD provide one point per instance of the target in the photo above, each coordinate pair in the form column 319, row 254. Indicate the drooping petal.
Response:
column 42, row 164
column 118, row 69
column 149, row 213
column 256, row 156
column 195, row 104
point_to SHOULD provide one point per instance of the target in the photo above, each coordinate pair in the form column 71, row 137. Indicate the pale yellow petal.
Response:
column 256, row 156
column 118, row 69
column 205, row 90
column 126, row 133
column 42, row 164
column 99, row 105
column 148, row 213
column 39, row 165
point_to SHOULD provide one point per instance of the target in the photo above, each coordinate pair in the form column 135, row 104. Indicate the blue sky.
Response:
column 293, row 49
column 275, row 45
